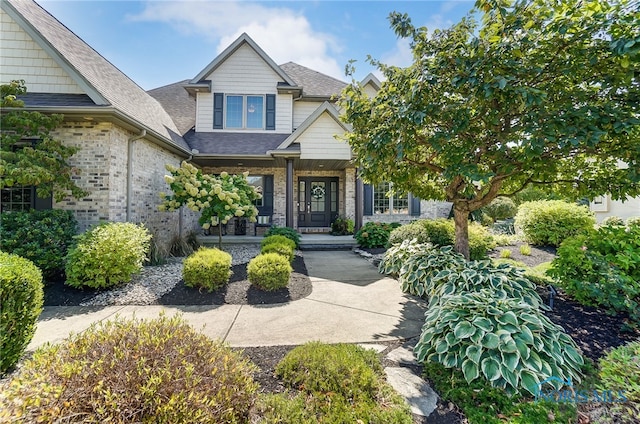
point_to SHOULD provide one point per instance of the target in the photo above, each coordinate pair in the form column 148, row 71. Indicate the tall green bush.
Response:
column 549, row 222
column 43, row 237
column 207, row 269
column 21, row 298
column 107, row 255
column 133, row 371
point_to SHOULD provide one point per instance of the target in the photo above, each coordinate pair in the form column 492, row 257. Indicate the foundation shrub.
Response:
column 342, row 226
column 21, row 297
column 281, row 249
column 124, row 371
column 375, row 234
column 107, row 255
column 549, row 222
column 501, row 339
column 289, row 233
column 602, row 268
column 337, row 384
column 207, row 268
column 278, row 239
column 269, row 271
column 414, row 230
column 43, row 237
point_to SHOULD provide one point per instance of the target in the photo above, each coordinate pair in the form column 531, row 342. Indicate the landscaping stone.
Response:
column 419, row 395
column 403, row 355
column 378, row 348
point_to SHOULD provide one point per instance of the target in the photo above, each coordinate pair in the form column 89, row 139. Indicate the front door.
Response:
column 317, row 201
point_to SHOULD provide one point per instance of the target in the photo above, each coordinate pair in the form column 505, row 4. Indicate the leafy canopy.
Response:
column 29, row 155
column 539, row 92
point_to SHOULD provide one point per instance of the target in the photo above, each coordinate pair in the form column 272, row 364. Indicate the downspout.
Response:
column 142, row 134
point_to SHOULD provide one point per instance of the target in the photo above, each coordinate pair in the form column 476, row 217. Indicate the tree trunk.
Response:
column 220, row 235
column 461, row 219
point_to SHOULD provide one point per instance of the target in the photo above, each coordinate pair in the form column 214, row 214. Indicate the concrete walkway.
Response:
column 350, row 302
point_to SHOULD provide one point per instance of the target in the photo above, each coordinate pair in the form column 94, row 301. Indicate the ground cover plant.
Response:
column 21, row 297
column 124, row 371
column 43, row 237
column 107, row 255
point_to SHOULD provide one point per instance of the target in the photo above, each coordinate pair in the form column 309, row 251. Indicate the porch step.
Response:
column 314, row 230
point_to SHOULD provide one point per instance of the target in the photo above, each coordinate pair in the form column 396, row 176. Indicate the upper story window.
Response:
column 244, row 111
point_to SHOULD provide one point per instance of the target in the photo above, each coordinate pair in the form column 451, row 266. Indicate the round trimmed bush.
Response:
column 288, row 232
column 278, row 239
column 441, row 231
column 414, row 230
column 281, row 249
column 207, row 269
column 160, row 371
column 501, row 208
column 269, row 271
column 549, row 222
column 21, row 298
column 107, row 255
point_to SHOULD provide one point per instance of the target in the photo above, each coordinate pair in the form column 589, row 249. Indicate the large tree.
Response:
column 30, row 156
column 540, row 92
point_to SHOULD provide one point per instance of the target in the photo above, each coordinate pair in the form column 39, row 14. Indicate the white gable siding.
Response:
column 369, row 90
column 22, row 58
column 302, row 110
column 244, row 72
column 319, row 142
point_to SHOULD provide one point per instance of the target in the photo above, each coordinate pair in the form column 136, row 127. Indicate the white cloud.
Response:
column 285, row 35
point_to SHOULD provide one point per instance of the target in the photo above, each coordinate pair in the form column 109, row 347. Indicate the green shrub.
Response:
column 43, row 237
column 269, row 271
column 21, row 297
column 342, row 226
column 549, row 222
column 504, row 340
column 620, row 370
column 375, row 234
column 414, row 230
column 483, row 404
column 107, row 255
column 338, row 384
column 125, row 371
column 441, row 231
column 612, row 221
column 281, row 249
column 289, row 233
column 278, row 239
column 505, row 253
column 480, row 241
column 501, row 208
column 602, row 268
column 207, row 269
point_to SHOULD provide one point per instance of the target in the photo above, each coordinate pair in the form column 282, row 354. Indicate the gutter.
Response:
column 142, row 134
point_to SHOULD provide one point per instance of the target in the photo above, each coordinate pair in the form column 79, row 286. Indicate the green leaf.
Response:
column 508, row 318
column 490, row 368
column 442, row 346
column 483, row 323
column 473, row 353
column 464, row 329
column 470, row 370
column 490, row 341
column 510, row 376
column 510, row 360
column 530, row 381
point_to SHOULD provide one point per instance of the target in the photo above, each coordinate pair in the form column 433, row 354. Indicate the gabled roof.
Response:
column 373, row 80
column 314, row 84
column 240, row 41
column 325, row 107
column 105, row 84
column 178, row 104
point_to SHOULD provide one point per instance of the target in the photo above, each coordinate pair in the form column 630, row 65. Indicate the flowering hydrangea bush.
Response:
column 218, row 198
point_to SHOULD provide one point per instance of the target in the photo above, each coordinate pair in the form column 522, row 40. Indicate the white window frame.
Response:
column 244, row 111
column 390, row 201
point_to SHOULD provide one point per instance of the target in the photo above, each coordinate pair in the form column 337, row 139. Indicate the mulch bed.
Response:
column 239, row 291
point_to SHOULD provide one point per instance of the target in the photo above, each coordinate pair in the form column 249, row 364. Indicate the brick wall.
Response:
column 102, row 162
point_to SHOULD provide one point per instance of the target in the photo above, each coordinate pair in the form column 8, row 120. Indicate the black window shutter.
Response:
column 39, row 203
column 367, row 194
column 271, row 112
column 267, row 196
column 218, row 105
column 415, row 206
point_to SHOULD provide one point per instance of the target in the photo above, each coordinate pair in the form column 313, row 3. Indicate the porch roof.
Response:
column 236, row 143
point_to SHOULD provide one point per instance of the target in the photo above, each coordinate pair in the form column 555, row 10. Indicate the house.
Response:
column 242, row 112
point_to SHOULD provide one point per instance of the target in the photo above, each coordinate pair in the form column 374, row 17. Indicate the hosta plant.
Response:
column 417, row 271
column 398, row 254
column 509, row 343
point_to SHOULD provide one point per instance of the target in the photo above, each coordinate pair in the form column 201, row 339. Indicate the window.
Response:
column 17, row 199
column 245, row 112
column 258, row 182
column 384, row 203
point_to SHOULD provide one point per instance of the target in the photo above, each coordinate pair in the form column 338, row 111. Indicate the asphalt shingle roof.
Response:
column 314, row 83
column 56, row 99
column 225, row 143
column 178, row 103
column 107, row 80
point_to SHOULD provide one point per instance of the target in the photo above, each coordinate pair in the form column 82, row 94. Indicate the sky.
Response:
column 159, row 42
